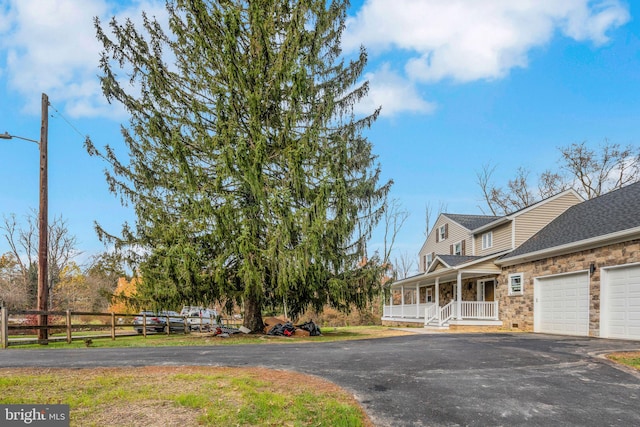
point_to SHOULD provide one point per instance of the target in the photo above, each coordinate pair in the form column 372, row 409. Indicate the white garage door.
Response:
column 561, row 304
column 621, row 303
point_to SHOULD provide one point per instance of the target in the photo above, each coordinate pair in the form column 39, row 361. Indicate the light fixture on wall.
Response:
column 592, row 268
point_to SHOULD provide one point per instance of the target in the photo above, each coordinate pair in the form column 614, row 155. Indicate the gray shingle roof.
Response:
column 471, row 222
column 453, row 260
column 615, row 211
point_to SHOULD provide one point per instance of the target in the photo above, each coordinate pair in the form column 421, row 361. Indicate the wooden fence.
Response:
column 113, row 326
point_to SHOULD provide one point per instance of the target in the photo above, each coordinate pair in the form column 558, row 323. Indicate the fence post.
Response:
column 144, row 325
column 113, row 326
column 4, row 327
column 69, row 327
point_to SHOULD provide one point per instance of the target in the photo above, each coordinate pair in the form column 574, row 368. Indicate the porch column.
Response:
column 402, row 300
column 418, row 300
column 391, row 303
column 459, row 297
column 438, row 298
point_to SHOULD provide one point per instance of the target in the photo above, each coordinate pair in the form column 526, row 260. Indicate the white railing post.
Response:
column 459, row 297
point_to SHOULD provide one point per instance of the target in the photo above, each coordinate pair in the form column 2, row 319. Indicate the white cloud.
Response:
column 467, row 40
column 51, row 47
column 394, row 93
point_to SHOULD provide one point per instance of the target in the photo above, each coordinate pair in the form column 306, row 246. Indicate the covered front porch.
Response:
column 445, row 296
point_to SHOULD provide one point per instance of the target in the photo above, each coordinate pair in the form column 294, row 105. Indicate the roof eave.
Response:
column 491, row 225
column 476, row 261
column 585, row 244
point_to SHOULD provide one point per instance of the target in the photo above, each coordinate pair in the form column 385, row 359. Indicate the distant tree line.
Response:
column 71, row 286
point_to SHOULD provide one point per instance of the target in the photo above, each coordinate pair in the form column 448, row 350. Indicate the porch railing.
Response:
column 430, row 313
column 446, row 313
column 479, row 309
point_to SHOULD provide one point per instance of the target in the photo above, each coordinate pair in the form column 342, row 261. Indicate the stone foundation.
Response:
column 400, row 324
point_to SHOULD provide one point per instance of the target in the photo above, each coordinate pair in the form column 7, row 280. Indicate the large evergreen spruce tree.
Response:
column 248, row 171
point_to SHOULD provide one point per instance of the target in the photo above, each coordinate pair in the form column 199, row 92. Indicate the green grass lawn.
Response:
column 630, row 358
column 184, row 396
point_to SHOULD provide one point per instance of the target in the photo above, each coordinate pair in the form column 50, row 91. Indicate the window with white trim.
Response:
column 429, row 260
column 457, row 248
column 516, row 284
column 487, row 240
column 426, row 294
column 442, row 233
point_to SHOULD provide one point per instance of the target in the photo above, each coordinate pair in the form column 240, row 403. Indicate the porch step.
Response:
column 436, row 327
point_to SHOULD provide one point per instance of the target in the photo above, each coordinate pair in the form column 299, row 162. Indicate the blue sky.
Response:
column 462, row 83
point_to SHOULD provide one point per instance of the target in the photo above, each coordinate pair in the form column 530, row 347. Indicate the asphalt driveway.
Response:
column 425, row 380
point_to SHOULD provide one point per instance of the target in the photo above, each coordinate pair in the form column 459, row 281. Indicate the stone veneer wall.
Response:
column 469, row 293
column 518, row 309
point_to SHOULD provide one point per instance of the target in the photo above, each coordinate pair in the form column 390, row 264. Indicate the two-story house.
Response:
column 458, row 265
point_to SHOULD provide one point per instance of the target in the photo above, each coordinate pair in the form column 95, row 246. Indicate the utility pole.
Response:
column 43, row 243
column 43, row 225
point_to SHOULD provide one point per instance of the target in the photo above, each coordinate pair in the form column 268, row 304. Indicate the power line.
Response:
column 85, row 136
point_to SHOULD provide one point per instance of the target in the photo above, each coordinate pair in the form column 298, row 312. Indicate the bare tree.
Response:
column 597, row 172
column 428, row 214
column 394, row 218
column 23, row 242
column 592, row 172
column 13, row 293
column 403, row 265
column 550, row 183
column 430, row 218
column 483, row 179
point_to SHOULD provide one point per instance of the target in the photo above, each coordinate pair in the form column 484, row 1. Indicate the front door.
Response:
column 485, row 290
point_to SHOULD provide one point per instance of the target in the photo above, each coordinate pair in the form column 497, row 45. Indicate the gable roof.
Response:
column 471, row 222
column 504, row 219
column 453, row 260
column 589, row 221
